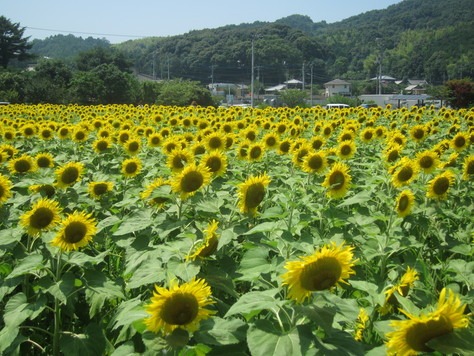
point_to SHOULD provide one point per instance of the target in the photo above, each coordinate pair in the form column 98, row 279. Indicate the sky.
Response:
column 120, row 20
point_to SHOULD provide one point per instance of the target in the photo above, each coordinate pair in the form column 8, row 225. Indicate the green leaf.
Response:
column 92, row 342
column 9, row 236
column 264, row 339
column 184, row 270
column 254, row 262
column 27, row 265
column 81, row 259
column 127, row 349
column 460, row 341
column 149, row 272
column 7, row 337
column 135, row 222
column 16, row 310
column 254, row 302
column 100, row 288
column 360, row 198
column 128, row 312
column 63, row 288
column 268, row 226
column 217, row 331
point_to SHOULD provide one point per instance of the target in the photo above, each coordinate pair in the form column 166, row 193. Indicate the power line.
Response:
column 83, row 33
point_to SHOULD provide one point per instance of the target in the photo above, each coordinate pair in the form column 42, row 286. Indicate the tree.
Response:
column 293, row 97
column 12, row 43
column 461, row 93
column 184, row 93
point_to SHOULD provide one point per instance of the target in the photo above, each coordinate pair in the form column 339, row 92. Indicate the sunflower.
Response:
column 460, row 141
column 300, row 153
column 418, row 133
column 179, row 307
column 28, row 130
column 402, row 288
column 216, row 161
column 404, row 204
column 411, row 335
column 101, row 144
column 5, row 189
column 98, row 189
column 438, row 187
column 404, row 172
column 133, row 146
column 215, row 141
column 77, row 230
column 209, row 245
column 468, row 168
column 337, row 181
column 47, row 190
column 251, row 193
column 124, row 135
column 317, row 142
column 346, row 149
column 243, row 150
column 315, row 162
column 190, row 180
column 271, row 140
column 69, row 174
column 131, row 167
column 367, row 134
column 46, row 133
column 9, row 150
column 178, row 159
column 152, row 195
column 284, row 146
column 324, row 269
column 64, row 132
column 154, row 139
column 44, row 160
column 256, row 151
column 198, row 148
column 79, row 134
column 21, row 165
column 393, row 153
column 361, row 324
column 43, row 216
column 427, row 161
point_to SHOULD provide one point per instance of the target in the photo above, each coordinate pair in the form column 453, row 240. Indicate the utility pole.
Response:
column 302, row 72
column 251, row 80
column 311, row 80
column 154, row 60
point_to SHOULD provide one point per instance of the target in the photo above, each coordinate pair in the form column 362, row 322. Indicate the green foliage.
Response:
column 340, row 99
column 461, row 93
column 183, row 93
column 13, row 44
column 293, row 97
column 65, row 47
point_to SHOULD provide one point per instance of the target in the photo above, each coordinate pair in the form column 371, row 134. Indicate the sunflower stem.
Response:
column 57, row 311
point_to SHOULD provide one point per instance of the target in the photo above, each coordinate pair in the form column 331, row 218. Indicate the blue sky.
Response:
column 119, row 20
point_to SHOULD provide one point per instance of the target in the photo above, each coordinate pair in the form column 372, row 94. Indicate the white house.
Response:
column 337, row 87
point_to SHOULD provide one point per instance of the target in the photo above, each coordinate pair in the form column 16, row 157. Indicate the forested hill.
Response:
column 415, row 39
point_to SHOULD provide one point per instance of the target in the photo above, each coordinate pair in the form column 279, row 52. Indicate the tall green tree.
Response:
column 13, row 44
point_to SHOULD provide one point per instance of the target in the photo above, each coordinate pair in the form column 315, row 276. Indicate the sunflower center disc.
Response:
column 75, row 232
column 180, row 309
column 41, row 218
column 419, row 334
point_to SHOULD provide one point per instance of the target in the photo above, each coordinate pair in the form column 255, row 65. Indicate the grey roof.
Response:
column 337, row 81
column 410, row 97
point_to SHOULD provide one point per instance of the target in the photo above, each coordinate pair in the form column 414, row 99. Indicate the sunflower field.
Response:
column 152, row 230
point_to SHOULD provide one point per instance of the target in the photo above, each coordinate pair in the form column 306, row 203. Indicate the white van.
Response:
column 337, row 106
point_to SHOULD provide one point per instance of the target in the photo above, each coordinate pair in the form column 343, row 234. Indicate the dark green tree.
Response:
column 293, row 98
column 461, row 92
column 12, row 43
column 12, row 86
column 184, row 93
column 90, row 59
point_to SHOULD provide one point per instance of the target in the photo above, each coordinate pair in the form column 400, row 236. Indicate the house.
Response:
column 294, row 84
column 337, row 87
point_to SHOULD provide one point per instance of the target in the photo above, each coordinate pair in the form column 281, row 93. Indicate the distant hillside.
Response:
column 65, row 46
column 416, row 39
